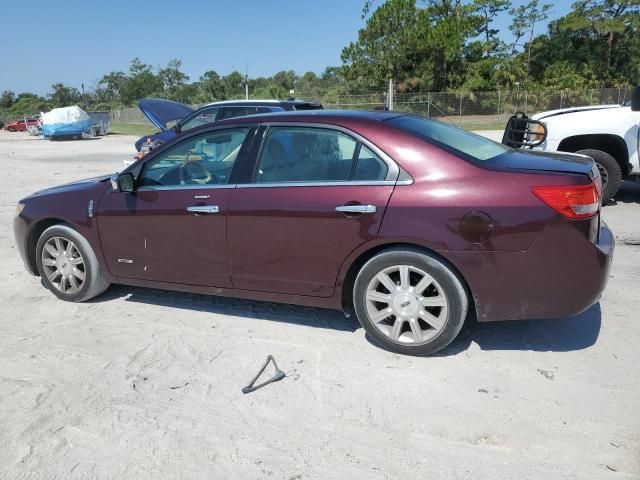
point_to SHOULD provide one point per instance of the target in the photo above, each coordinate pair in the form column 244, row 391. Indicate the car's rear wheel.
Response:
column 68, row 266
column 11, row 129
column 410, row 301
column 610, row 172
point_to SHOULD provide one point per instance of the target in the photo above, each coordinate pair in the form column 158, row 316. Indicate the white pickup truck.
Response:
column 607, row 133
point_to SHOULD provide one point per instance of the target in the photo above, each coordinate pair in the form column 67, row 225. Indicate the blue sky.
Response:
column 74, row 42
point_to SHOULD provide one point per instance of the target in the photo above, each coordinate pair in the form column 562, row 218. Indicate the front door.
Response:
column 316, row 195
column 172, row 228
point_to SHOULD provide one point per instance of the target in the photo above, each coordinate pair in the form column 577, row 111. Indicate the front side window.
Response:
column 470, row 144
column 206, row 159
column 202, row 118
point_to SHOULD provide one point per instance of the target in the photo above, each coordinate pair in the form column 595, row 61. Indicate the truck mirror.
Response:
column 635, row 99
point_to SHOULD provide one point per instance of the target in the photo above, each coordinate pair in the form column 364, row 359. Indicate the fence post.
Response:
column 460, row 111
column 526, row 100
column 561, row 97
column 390, row 99
column 591, row 97
column 499, row 97
column 618, row 95
column 428, row 104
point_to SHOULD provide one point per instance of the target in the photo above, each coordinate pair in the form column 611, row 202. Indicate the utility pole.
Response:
column 390, row 97
column 246, row 86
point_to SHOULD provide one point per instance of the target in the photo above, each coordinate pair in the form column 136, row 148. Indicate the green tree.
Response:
column 525, row 19
column 389, row 45
column 488, row 10
column 140, row 83
column 63, row 95
column 172, row 78
column 211, row 87
column 607, row 20
column 233, row 85
column 111, row 85
column 7, row 99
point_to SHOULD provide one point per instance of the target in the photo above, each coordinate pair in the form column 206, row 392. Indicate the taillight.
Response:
column 572, row 201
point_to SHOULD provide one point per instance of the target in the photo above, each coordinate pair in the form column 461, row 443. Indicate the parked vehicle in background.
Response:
column 100, row 123
column 174, row 118
column 607, row 133
column 65, row 123
column 394, row 217
column 21, row 125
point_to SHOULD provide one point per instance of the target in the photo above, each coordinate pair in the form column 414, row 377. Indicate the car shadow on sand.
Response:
column 554, row 335
column 308, row 316
column 558, row 335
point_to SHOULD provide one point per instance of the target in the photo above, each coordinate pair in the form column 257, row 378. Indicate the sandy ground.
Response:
column 147, row 384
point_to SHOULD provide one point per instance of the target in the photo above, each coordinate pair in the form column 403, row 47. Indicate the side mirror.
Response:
column 635, row 100
column 123, row 182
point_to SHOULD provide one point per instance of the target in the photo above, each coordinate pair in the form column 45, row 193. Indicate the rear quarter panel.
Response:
column 483, row 222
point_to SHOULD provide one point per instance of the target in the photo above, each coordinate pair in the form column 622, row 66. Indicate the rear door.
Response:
column 316, row 194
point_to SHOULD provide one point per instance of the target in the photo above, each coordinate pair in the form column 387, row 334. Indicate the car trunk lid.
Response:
column 160, row 111
column 533, row 161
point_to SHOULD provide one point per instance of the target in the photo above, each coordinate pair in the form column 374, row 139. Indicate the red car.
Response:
column 410, row 223
column 21, row 125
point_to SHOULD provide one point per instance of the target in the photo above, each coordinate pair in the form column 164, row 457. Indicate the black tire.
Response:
column 449, row 281
column 610, row 172
column 94, row 282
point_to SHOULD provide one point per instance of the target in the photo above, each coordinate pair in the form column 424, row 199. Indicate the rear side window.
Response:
column 306, row 154
column 231, row 112
column 201, row 118
column 369, row 166
column 462, row 141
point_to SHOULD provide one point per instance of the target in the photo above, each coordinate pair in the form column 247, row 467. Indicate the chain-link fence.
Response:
column 481, row 110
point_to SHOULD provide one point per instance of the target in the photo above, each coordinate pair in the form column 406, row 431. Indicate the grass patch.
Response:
column 132, row 129
column 484, row 126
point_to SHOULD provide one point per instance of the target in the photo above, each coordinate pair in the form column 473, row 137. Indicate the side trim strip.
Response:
column 318, row 184
column 184, row 187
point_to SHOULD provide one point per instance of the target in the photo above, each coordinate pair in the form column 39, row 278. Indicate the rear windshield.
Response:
column 448, row 136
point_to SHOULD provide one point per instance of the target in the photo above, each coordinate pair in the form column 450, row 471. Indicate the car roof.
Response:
column 259, row 103
column 316, row 116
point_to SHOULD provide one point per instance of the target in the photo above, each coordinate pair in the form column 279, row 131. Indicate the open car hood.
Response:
column 160, row 111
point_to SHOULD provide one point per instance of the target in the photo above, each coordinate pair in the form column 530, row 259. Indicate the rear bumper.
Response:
column 562, row 274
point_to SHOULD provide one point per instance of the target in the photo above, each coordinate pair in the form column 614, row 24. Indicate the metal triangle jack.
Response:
column 278, row 375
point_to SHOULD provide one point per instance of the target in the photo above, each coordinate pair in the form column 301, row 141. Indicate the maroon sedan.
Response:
column 411, row 223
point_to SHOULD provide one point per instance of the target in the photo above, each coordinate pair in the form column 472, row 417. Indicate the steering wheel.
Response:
column 194, row 172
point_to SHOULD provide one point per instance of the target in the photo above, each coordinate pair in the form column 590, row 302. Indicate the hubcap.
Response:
column 63, row 265
column 406, row 304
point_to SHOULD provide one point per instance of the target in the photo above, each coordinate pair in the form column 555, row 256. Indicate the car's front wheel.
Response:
column 68, row 266
column 409, row 301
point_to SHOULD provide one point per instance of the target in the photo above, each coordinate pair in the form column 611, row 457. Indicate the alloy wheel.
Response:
column 406, row 304
column 63, row 265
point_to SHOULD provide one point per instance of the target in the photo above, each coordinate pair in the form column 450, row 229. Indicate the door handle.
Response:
column 356, row 208
column 203, row 209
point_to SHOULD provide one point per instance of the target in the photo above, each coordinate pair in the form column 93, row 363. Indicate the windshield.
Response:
column 462, row 141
